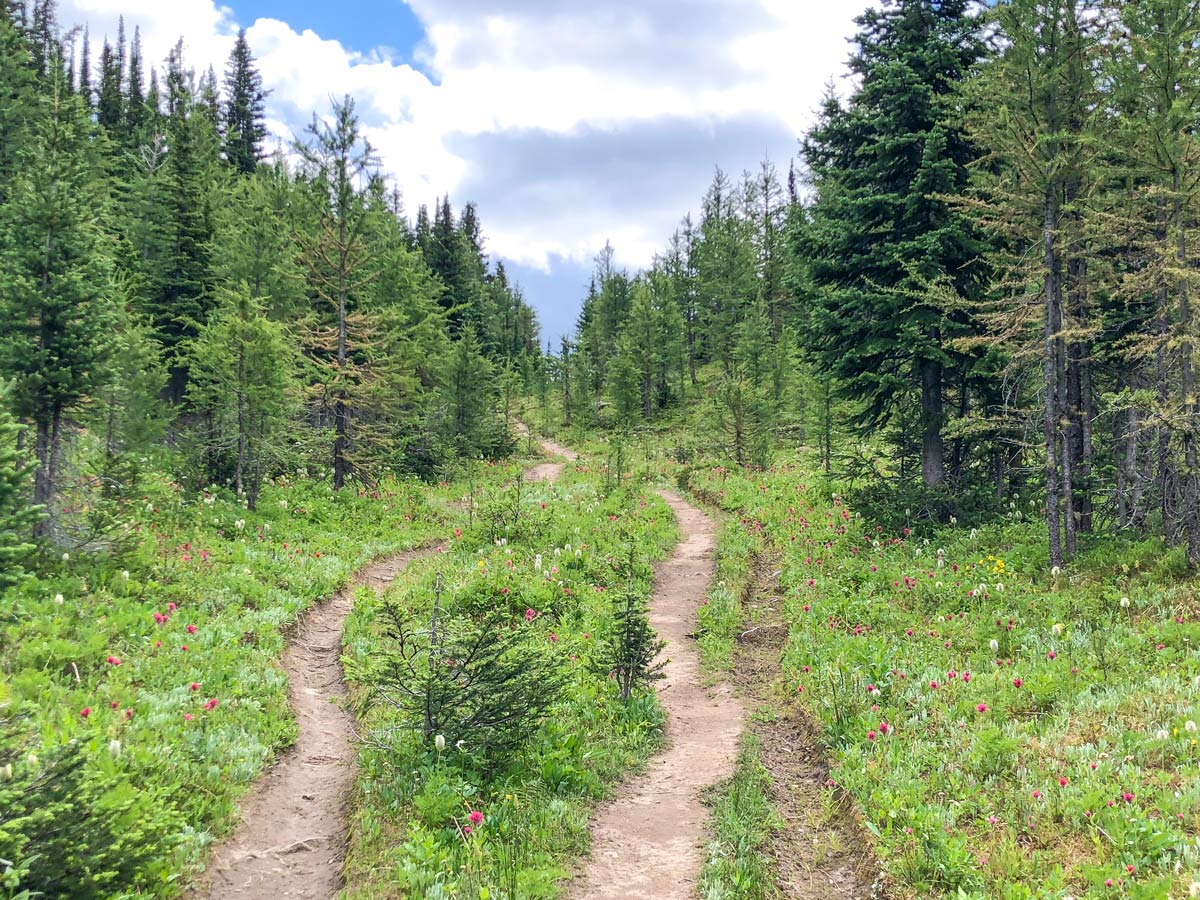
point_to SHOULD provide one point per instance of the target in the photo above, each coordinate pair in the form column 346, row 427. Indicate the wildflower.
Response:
column 1108, row 882
column 884, row 727
column 994, row 644
column 187, row 717
column 283, row 504
column 1037, row 795
column 871, row 735
column 1189, row 726
column 114, row 748
column 58, row 599
column 195, row 685
column 871, row 689
column 439, row 742
column 114, row 661
column 1017, row 682
column 66, row 557
column 992, row 820
column 1051, row 655
column 1127, row 796
column 6, row 772
column 1056, row 628
column 476, row 817
column 240, row 524
column 933, row 684
column 1062, row 781
column 1124, row 603
column 1055, row 571
column 1161, row 734
column 530, row 615
column 191, row 629
column 31, row 760
column 85, row 712
column 982, row 707
column 125, row 575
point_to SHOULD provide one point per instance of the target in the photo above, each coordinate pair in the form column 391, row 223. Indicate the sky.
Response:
column 569, row 123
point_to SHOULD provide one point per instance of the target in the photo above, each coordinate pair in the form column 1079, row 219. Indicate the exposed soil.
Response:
column 548, row 471
column 291, row 840
column 823, row 852
column 646, row 844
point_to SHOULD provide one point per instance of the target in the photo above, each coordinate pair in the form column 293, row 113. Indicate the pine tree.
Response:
column 880, row 231
column 244, row 126
column 470, row 421
column 55, row 304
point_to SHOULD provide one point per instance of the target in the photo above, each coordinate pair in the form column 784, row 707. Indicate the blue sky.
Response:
column 568, row 123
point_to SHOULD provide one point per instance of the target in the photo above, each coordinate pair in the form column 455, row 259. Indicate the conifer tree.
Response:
column 242, row 376
column 244, row 126
column 338, row 159
column 135, row 98
column 880, row 229
column 17, row 517
column 55, row 273
column 109, row 101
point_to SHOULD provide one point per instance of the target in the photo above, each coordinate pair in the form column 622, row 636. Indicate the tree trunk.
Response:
column 1191, row 487
column 933, row 452
column 1050, row 377
column 340, row 409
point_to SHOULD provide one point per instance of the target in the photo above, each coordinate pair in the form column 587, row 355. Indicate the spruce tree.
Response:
column 109, row 100
column 55, row 271
column 881, row 231
column 135, row 96
column 244, row 113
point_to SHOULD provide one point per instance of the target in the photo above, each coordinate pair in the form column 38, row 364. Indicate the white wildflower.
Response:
column 1124, row 603
column 1057, row 628
column 1161, row 734
column 31, row 760
column 440, row 742
column 58, row 600
column 114, row 748
column 994, row 644
column 125, row 575
column 1189, row 726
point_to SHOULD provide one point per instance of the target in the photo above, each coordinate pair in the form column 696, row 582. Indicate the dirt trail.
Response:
column 291, row 840
column 549, row 471
column 646, row 844
column 292, row 837
column 824, row 853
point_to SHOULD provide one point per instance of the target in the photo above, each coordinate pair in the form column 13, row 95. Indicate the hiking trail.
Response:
column 647, row 843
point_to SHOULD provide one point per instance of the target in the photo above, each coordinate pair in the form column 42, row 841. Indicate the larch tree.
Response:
column 338, row 159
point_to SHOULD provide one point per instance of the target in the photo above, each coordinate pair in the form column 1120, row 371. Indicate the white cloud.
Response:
column 550, row 72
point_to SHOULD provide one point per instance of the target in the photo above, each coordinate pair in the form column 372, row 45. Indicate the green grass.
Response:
column 561, row 560
column 160, row 662
column 741, row 821
column 1057, row 762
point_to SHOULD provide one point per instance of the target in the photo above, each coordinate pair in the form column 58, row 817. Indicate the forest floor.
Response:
column 647, row 842
column 292, row 836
